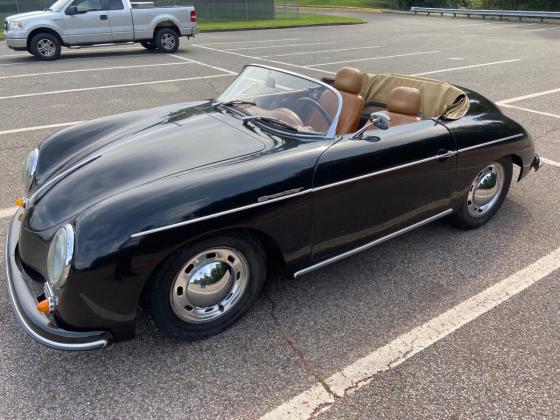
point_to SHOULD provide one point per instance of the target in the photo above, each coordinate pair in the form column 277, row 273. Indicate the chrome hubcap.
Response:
column 46, row 47
column 209, row 285
column 485, row 190
column 168, row 41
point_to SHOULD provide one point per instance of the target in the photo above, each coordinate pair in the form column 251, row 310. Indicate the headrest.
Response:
column 404, row 100
column 348, row 79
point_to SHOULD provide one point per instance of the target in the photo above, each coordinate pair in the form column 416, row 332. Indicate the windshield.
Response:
column 268, row 94
column 58, row 5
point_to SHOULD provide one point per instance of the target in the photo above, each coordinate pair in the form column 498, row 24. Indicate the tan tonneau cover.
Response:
column 438, row 98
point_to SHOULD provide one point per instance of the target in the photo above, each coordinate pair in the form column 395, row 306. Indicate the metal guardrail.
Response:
column 494, row 13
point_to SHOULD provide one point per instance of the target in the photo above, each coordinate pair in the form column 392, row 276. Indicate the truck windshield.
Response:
column 266, row 94
column 58, row 5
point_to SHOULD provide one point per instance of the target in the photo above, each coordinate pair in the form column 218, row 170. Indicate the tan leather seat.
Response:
column 348, row 82
column 403, row 105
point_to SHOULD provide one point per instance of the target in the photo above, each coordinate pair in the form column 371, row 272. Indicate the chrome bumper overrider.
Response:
column 537, row 163
column 24, row 302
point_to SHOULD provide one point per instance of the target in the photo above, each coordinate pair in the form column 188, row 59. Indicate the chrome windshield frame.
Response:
column 331, row 132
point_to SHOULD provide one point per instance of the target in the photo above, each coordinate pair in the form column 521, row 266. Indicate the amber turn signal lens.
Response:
column 20, row 202
column 43, row 306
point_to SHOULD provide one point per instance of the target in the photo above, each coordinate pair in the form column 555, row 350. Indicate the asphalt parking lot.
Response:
column 304, row 332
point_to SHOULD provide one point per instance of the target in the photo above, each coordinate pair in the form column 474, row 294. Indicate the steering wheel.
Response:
column 319, row 107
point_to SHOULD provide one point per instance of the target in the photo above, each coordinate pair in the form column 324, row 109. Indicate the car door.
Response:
column 120, row 21
column 90, row 25
column 365, row 189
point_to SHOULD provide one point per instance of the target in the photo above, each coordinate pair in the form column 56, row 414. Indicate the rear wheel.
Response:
column 149, row 45
column 167, row 40
column 45, row 46
column 204, row 288
column 485, row 196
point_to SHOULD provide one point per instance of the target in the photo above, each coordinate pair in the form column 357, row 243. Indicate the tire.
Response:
column 480, row 204
column 45, row 47
column 167, row 40
column 204, row 288
column 149, row 45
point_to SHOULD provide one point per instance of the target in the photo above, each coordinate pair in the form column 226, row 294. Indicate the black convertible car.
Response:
column 180, row 207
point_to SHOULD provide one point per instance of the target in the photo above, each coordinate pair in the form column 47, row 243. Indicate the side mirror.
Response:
column 380, row 120
column 71, row 10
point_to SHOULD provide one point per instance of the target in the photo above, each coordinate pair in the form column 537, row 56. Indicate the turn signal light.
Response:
column 20, row 202
column 43, row 306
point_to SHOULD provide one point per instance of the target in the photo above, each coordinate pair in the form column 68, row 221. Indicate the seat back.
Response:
column 403, row 105
column 348, row 81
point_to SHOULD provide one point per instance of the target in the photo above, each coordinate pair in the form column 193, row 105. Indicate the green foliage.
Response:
column 483, row 4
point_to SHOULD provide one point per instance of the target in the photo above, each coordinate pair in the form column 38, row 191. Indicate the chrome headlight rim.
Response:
column 61, row 253
column 30, row 167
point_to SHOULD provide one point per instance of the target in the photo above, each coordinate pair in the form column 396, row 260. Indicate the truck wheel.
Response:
column 45, row 46
column 149, row 45
column 485, row 196
column 204, row 288
column 167, row 40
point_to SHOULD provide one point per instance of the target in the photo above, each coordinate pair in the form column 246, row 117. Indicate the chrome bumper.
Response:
column 16, row 43
column 537, row 163
column 24, row 302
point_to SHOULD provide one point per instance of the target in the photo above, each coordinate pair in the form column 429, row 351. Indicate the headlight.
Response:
column 60, row 255
column 29, row 168
column 14, row 25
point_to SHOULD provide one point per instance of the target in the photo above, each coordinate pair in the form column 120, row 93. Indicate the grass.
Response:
column 304, row 19
column 351, row 3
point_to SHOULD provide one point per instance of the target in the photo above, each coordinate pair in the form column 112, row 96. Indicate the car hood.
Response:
column 30, row 15
column 88, row 163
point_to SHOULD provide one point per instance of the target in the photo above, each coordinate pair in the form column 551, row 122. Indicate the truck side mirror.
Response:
column 72, row 10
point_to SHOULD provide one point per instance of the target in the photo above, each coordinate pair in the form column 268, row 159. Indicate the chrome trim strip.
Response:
column 222, row 213
column 384, row 171
column 40, row 339
column 372, row 244
column 478, row 146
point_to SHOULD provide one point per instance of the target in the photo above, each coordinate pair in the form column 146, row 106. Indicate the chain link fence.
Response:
column 206, row 10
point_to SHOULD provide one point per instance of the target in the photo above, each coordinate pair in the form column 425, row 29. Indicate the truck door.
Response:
column 120, row 20
column 89, row 25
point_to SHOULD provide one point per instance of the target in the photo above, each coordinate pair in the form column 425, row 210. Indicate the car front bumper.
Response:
column 16, row 43
column 38, row 325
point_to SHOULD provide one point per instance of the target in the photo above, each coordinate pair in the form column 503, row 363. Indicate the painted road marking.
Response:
column 248, row 42
column 373, row 58
column 530, row 96
column 38, row 127
column 9, row 212
column 321, row 397
column 550, row 162
column 64, row 59
column 467, row 67
column 532, row 111
column 188, row 60
column 96, row 69
column 543, row 29
column 278, row 46
column 155, row 82
column 320, row 51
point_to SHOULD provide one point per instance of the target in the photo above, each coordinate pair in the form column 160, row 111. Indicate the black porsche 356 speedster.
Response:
column 181, row 207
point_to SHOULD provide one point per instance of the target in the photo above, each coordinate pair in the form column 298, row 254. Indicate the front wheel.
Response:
column 485, row 196
column 167, row 40
column 204, row 288
column 45, row 47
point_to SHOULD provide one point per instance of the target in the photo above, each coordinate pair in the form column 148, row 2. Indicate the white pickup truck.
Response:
column 89, row 22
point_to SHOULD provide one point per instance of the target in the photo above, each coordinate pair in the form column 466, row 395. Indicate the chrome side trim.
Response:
column 384, row 171
column 222, row 213
column 373, row 243
column 478, row 146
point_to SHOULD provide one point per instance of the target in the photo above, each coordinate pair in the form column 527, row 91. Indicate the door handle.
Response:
column 443, row 154
column 103, row 17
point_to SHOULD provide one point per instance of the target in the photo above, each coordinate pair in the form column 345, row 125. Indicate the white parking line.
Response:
column 63, row 60
column 38, row 127
column 532, row 111
column 249, row 42
column 78, row 51
column 320, row 51
column 466, row 67
column 210, row 66
column 478, row 24
column 9, row 212
column 530, row 96
column 264, row 59
column 96, row 69
column 321, row 397
column 373, row 58
column 514, row 26
column 278, row 46
column 155, row 82
column 543, row 29
column 550, row 162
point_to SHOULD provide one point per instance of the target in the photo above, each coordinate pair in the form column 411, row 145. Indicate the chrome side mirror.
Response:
column 380, row 120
